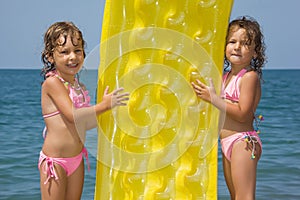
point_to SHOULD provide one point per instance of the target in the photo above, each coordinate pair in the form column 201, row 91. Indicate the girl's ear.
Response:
column 50, row 59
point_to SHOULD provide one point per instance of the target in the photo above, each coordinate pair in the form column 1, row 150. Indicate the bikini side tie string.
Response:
column 49, row 169
column 85, row 153
column 251, row 139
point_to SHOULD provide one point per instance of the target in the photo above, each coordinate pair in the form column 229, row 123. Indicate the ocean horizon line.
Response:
column 34, row 68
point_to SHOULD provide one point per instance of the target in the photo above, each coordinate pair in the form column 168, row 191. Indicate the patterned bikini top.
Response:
column 79, row 97
column 232, row 93
column 232, row 90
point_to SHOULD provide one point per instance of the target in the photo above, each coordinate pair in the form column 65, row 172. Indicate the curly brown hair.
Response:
column 54, row 32
column 255, row 35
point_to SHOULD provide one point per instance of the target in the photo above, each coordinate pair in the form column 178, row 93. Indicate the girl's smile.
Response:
column 238, row 50
column 68, row 57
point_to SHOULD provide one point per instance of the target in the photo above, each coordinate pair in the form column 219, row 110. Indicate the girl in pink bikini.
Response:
column 241, row 92
column 67, row 113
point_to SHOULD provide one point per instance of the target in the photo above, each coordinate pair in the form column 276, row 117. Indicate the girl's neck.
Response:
column 67, row 78
column 236, row 69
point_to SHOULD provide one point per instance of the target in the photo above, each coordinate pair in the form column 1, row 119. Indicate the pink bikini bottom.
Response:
column 249, row 136
column 69, row 164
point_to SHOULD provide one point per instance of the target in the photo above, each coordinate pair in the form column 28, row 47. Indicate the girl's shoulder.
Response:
column 251, row 77
column 52, row 83
column 251, row 74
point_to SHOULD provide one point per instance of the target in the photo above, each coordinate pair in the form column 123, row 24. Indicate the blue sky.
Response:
column 23, row 24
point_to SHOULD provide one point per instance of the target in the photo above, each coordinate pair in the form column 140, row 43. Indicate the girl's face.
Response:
column 68, row 59
column 238, row 50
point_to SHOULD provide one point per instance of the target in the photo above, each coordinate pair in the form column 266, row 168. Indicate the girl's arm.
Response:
column 58, row 93
column 86, row 118
column 239, row 111
column 60, row 96
column 111, row 100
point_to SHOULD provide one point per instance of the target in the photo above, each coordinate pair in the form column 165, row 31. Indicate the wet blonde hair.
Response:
column 51, row 41
column 254, row 34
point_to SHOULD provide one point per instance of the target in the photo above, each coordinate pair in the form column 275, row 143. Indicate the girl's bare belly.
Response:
column 62, row 144
column 231, row 127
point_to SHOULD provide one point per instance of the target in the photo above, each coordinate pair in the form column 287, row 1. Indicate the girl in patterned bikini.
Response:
column 67, row 112
column 241, row 93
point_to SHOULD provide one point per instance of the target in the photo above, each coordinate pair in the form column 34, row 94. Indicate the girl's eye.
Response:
column 246, row 42
column 63, row 52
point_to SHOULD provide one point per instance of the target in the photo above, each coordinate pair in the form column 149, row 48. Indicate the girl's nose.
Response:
column 72, row 55
column 237, row 46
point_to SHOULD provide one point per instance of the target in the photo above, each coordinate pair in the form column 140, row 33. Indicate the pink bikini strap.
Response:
column 54, row 73
column 51, row 114
column 49, row 169
column 44, row 132
column 85, row 153
column 241, row 73
column 225, row 76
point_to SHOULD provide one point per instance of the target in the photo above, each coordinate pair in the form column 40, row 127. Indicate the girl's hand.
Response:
column 207, row 93
column 115, row 98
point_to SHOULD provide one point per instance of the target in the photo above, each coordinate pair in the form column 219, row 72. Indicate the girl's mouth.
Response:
column 72, row 65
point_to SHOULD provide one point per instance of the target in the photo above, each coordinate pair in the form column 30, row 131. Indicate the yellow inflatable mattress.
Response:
column 163, row 145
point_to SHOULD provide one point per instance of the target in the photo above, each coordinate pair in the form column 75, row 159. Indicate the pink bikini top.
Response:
column 79, row 97
column 232, row 90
